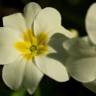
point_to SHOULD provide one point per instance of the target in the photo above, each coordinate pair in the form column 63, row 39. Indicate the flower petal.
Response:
column 91, row 86
column 63, row 31
column 82, row 69
column 15, row 21
column 47, row 20
column 91, row 22
column 30, row 12
column 32, row 77
column 13, row 74
column 8, row 37
column 52, row 68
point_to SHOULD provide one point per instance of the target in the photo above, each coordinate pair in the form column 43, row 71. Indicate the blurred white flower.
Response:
column 25, row 47
column 81, row 63
column 91, row 30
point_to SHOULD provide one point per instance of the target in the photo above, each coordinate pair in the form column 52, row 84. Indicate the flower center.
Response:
column 32, row 45
column 33, row 48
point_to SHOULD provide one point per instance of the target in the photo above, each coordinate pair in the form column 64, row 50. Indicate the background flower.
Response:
column 91, row 30
column 82, row 53
column 81, row 61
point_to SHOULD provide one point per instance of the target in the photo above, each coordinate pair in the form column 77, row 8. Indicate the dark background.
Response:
column 73, row 15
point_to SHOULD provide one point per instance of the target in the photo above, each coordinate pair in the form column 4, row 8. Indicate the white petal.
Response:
column 13, row 74
column 64, row 31
column 32, row 77
column 52, row 68
column 30, row 12
column 47, row 20
column 8, row 37
column 82, row 69
column 15, row 21
column 91, row 86
column 74, row 33
column 91, row 22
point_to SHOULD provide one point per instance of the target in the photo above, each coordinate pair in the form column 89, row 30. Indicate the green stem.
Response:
column 37, row 92
column 19, row 93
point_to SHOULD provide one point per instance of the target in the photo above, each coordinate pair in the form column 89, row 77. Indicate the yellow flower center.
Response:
column 32, row 45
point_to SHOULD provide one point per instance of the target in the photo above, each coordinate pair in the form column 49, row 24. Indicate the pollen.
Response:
column 32, row 45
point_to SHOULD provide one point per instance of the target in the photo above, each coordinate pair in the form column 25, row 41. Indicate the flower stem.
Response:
column 19, row 93
column 37, row 92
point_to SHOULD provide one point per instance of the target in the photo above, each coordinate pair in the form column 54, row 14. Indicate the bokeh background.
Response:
column 73, row 17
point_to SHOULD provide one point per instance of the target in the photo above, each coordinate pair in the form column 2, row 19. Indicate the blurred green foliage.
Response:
column 19, row 93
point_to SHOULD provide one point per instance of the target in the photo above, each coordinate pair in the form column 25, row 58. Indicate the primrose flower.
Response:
column 24, row 47
column 81, row 63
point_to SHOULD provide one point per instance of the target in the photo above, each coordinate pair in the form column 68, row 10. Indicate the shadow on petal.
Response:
column 56, row 43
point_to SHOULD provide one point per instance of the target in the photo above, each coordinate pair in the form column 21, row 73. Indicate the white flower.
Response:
column 91, row 30
column 24, row 47
column 81, row 63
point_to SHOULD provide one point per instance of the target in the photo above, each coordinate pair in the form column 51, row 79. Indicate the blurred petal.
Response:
column 13, row 74
column 8, row 37
column 80, row 47
column 52, row 68
column 15, row 21
column 91, row 86
column 32, row 77
column 74, row 33
column 30, row 12
column 64, row 31
column 82, row 69
column 91, row 22
column 47, row 20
